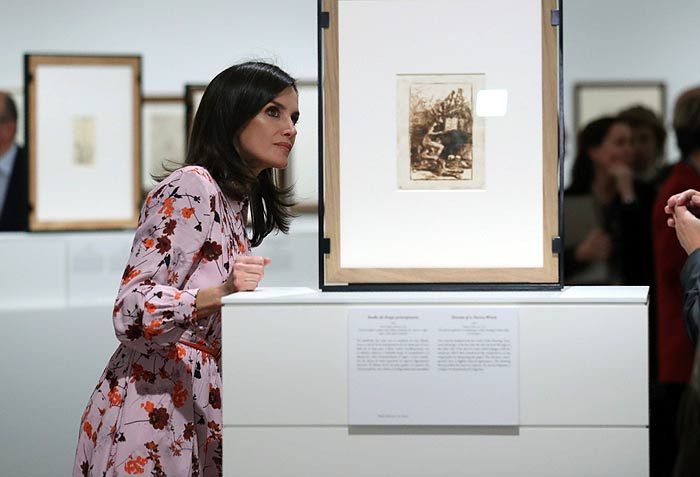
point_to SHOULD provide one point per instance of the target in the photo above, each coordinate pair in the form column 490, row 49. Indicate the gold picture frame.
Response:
column 193, row 95
column 83, row 140
column 302, row 170
column 163, row 138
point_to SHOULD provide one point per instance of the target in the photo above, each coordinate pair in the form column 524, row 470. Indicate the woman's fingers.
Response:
column 253, row 259
column 249, row 268
column 247, row 272
column 689, row 198
column 684, row 198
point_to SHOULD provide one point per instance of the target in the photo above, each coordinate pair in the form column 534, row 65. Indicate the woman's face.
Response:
column 615, row 149
column 267, row 139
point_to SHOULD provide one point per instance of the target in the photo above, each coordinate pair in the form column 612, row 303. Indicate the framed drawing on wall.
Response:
column 83, row 141
column 302, row 171
column 193, row 96
column 593, row 99
column 163, row 119
column 441, row 167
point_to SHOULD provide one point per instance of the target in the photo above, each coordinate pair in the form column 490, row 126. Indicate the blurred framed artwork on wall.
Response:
column 83, row 140
column 163, row 119
column 593, row 99
column 193, row 96
column 302, row 171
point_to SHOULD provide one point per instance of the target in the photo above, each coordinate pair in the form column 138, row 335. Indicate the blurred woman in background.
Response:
column 607, row 210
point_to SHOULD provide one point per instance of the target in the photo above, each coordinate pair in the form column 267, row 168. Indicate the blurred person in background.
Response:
column 648, row 141
column 607, row 210
column 674, row 347
column 14, row 182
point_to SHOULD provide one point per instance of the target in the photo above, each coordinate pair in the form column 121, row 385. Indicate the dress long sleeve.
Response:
column 154, row 306
column 156, row 409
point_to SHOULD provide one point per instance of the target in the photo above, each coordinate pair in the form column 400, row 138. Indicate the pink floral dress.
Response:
column 157, row 408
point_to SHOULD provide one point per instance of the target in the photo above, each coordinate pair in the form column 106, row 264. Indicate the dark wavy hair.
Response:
column 230, row 100
column 639, row 117
column 592, row 135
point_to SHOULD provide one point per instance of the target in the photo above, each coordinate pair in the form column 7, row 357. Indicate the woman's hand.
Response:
column 246, row 274
column 689, row 199
column 687, row 228
column 597, row 246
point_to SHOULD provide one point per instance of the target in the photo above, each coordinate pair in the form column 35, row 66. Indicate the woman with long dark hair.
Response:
column 619, row 236
column 157, row 407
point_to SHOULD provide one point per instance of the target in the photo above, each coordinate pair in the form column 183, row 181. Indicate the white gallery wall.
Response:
column 180, row 41
column 189, row 42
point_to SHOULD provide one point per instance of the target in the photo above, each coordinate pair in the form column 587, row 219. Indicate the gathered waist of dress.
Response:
column 204, row 348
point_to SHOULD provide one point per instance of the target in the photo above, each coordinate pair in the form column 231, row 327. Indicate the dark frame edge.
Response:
column 27, row 89
column 440, row 287
column 321, row 205
column 562, row 142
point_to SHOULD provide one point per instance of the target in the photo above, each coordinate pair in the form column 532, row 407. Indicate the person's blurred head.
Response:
column 234, row 136
column 648, row 137
column 602, row 144
column 8, row 121
column 686, row 122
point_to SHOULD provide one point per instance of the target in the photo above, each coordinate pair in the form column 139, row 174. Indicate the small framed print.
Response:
column 83, row 141
column 163, row 119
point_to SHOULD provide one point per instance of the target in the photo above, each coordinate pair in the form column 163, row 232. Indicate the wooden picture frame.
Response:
column 302, row 171
column 594, row 99
column 193, row 95
column 83, row 140
column 163, row 136
column 359, row 223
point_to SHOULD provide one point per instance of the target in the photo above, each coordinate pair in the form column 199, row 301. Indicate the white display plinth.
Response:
column 583, row 389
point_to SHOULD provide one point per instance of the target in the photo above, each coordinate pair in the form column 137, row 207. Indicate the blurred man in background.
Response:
column 14, row 203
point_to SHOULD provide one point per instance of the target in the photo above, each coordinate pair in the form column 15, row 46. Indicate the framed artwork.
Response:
column 593, row 99
column 441, row 140
column 440, row 160
column 193, row 96
column 163, row 136
column 302, row 171
column 83, row 141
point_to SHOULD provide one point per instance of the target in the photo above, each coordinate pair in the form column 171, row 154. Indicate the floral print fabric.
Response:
column 156, row 410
